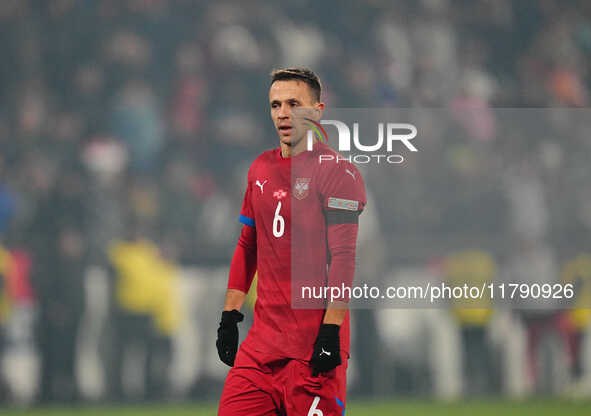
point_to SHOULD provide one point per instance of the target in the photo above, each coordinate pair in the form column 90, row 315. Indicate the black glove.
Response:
column 227, row 342
column 327, row 349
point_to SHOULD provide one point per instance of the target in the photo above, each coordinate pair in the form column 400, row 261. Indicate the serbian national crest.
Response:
column 301, row 188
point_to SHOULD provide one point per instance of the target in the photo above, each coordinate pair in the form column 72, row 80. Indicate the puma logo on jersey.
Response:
column 260, row 185
column 351, row 173
column 325, row 352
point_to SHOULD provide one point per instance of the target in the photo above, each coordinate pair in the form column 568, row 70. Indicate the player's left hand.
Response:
column 327, row 349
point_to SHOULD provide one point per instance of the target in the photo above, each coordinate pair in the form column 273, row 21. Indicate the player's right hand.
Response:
column 227, row 342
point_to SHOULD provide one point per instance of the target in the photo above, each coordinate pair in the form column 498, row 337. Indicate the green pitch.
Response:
column 543, row 407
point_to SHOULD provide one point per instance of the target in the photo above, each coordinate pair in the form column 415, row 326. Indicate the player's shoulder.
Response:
column 332, row 162
column 262, row 160
column 266, row 156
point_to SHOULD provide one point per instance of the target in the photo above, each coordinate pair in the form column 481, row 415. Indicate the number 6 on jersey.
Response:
column 314, row 411
column 278, row 222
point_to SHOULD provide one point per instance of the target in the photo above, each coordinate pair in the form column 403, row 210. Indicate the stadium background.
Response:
column 127, row 127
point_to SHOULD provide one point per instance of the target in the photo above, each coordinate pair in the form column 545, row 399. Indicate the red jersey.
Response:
column 292, row 203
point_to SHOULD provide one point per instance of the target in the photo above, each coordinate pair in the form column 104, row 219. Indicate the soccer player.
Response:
column 293, row 360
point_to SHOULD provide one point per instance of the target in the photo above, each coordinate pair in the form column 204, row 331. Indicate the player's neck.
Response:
column 291, row 151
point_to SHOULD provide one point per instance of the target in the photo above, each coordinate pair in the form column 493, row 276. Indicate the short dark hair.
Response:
column 299, row 74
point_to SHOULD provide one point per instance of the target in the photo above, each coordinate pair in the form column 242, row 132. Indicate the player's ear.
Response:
column 317, row 111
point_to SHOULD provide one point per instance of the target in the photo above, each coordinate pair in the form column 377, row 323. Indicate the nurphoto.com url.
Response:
column 430, row 292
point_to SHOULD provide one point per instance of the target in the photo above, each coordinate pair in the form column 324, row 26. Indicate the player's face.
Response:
column 284, row 98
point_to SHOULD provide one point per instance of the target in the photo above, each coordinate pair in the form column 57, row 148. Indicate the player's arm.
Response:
column 242, row 271
column 345, row 199
column 335, row 313
column 342, row 237
column 234, row 299
column 342, row 240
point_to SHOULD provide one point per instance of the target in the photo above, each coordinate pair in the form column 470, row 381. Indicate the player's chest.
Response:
column 284, row 190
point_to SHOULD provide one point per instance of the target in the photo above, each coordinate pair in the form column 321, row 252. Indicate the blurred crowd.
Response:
column 127, row 128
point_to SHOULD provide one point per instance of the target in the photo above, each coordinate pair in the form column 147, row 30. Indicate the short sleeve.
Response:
column 343, row 192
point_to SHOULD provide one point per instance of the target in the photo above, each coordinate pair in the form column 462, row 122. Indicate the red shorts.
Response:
column 261, row 384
